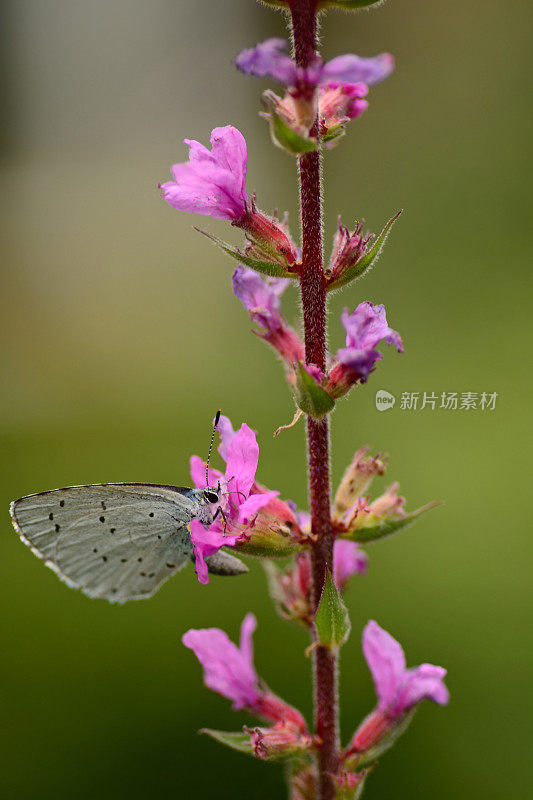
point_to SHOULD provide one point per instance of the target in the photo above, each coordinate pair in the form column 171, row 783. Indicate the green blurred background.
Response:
column 121, row 338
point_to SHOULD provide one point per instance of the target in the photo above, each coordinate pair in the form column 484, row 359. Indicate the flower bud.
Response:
column 354, row 253
column 356, row 481
column 277, row 742
column 268, row 236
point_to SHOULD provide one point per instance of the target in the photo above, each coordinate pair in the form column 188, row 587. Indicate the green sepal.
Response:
column 265, row 267
column 332, row 622
column 237, row 740
column 372, row 533
column 309, row 396
column 347, row 5
column 283, row 135
column 334, row 134
column 268, row 551
column 356, row 792
column 367, row 261
column 368, row 758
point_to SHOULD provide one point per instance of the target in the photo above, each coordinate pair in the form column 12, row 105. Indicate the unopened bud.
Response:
column 269, row 236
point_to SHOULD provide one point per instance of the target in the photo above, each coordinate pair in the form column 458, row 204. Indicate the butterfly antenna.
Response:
column 215, row 423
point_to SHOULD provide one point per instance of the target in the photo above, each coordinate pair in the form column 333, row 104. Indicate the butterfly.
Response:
column 119, row 541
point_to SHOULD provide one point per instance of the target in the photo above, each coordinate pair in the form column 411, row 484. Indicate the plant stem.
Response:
column 313, row 290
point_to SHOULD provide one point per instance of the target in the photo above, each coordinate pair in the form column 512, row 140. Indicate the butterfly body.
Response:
column 118, row 541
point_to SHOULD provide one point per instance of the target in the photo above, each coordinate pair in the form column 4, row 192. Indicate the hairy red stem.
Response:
column 313, row 290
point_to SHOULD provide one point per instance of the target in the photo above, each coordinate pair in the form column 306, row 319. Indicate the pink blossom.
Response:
column 241, row 454
column 213, row 181
column 228, row 669
column 365, row 328
column 269, row 59
column 399, row 690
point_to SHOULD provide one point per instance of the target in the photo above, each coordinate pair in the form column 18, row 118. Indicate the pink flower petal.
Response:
column 348, row 560
column 386, row 661
column 350, row 68
column 249, row 508
column 242, row 459
column 226, row 433
column 197, row 469
column 207, row 543
column 228, row 670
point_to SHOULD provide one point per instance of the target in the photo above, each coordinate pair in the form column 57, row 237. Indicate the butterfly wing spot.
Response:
column 170, row 566
column 56, row 528
column 62, row 503
column 50, row 516
column 104, row 558
column 151, row 514
column 104, row 507
column 95, row 549
column 102, row 519
column 112, row 530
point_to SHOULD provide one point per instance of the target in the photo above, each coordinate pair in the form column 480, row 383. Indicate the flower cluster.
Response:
column 331, row 93
column 365, row 328
column 320, row 99
column 229, row 671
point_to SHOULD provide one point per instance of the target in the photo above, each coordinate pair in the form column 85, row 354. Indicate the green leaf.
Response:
column 367, row 261
column 309, row 396
column 265, row 267
column 332, row 621
column 283, row 135
column 386, row 527
column 237, row 740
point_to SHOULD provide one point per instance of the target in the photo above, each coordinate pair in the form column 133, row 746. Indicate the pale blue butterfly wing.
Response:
column 116, row 541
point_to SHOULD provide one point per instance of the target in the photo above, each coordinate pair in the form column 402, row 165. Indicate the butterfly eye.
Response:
column 210, row 496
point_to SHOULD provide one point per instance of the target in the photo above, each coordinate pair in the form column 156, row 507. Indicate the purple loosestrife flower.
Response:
column 399, row 690
column 229, row 670
column 334, row 90
column 252, row 513
column 261, row 298
column 365, row 328
column 211, row 182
